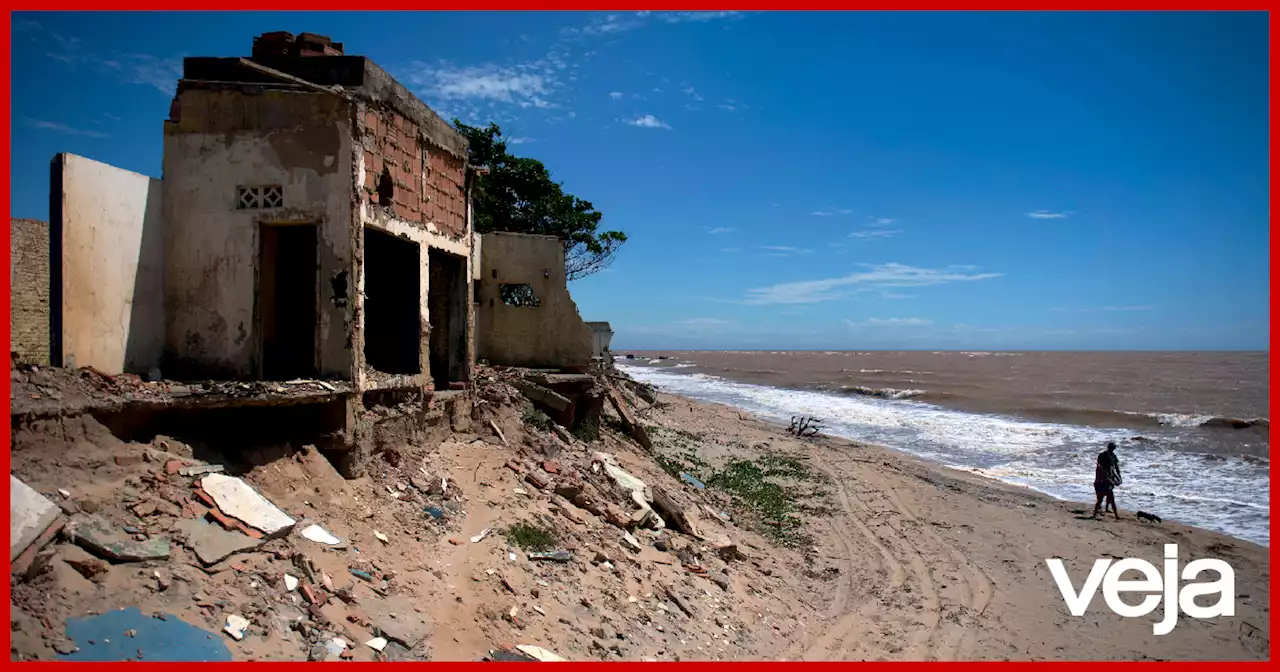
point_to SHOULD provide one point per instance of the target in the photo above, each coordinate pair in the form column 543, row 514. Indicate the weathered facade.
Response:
column 317, row 225
column 29, row 334
column 526, row 316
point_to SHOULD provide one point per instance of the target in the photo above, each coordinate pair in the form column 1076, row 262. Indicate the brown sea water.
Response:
column 1193, row 426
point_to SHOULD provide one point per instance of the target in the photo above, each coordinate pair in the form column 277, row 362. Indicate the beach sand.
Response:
column 938, row 564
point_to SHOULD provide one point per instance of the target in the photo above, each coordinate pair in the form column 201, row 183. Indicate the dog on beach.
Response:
column 1149, row 517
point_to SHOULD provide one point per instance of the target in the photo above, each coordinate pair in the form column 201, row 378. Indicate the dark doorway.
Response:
column 447, row 309
column 392, row 303
column 287, row 274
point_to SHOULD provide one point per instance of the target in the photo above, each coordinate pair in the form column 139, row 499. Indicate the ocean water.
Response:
column 1169, row 470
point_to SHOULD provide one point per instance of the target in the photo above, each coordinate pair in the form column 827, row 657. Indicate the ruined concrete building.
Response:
column 313, row 222
column 317, row 224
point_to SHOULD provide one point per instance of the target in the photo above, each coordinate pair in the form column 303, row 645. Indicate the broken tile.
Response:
column 240, row 501
column 101, row 538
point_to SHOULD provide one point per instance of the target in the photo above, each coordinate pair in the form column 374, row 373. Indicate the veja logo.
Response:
column 1107, row 574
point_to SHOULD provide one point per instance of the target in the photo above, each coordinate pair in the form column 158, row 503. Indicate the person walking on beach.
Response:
column 1105, row 480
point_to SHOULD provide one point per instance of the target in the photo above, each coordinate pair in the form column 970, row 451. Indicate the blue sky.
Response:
column 802, row 180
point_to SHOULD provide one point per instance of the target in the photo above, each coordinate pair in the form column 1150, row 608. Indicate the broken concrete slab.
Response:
column 681, row 517
column 30, row 514
column 102, row 539
column 212, row 544
column 555, row 405
column 395, row 618
column 240, row 501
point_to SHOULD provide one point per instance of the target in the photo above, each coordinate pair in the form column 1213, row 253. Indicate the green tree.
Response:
column 519, row 196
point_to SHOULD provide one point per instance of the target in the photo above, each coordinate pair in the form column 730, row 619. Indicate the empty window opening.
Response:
column 520, row 296
column 260, row 197
column 392, row 303
column 447, row 302
column 287, row 288
column 386, row 188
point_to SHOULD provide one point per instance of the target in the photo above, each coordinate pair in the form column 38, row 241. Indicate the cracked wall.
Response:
column 217, row 141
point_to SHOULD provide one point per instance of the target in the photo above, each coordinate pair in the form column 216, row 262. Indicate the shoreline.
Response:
column 947, row 470
column 1051, row 459
column 936, row 563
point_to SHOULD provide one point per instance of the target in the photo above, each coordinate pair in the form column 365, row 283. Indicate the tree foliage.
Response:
column 518, row 195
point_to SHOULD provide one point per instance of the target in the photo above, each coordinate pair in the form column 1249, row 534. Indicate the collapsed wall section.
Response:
column 410, row 184
column 526, row 316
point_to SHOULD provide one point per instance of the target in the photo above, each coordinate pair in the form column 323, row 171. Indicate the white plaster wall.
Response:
column 112, row 228
column 213, row 248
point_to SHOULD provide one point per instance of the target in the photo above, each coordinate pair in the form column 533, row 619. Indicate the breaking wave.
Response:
column 1168, row 472
column 882, row 393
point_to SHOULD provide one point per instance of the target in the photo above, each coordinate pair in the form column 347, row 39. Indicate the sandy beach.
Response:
column 804, row 548
column 938, row 564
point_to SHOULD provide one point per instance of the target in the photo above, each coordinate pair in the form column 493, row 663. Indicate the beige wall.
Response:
column 107, row 235
column 29, row 290
column 220, row 140
column 551, row 335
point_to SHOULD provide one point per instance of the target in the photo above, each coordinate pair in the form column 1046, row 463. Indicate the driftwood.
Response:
column 804, row 426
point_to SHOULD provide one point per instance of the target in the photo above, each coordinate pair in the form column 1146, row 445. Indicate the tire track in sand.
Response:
column 847, row 616
column 851, row 618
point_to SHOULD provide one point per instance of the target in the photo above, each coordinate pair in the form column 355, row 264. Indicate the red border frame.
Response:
column 335, row 5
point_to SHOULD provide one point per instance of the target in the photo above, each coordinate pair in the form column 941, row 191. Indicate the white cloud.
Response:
column 881, row 221
column 784, row 251
column 647, row 121
column 721, row 229
column 697, row 17
column 1105, row 309
column 889, row 322
column 520, row 141
column 527, row 83
column 1045, row 214
column 63, row 128
column 831, row 213
column 877, row 277
column 878, row 233
column 161, row 74
column 730, row 250
column 704, row 322
column 616, row 95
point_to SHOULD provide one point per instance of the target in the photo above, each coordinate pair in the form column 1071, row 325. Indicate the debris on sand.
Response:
column 540, row 654
column 100, row 538
column 554, row 556
column 213, row 544
column 236, row 625
column 320, row 535
column 237, row 499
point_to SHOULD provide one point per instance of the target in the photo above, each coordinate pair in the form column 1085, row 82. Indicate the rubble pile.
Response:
column 488, row 536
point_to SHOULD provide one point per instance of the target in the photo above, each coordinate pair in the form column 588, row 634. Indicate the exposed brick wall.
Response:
column 394, row 142
column 29, row 290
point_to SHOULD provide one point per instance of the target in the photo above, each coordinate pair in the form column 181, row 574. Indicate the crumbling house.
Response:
column 311, row 241
column 317, row 224
column 312, row 223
